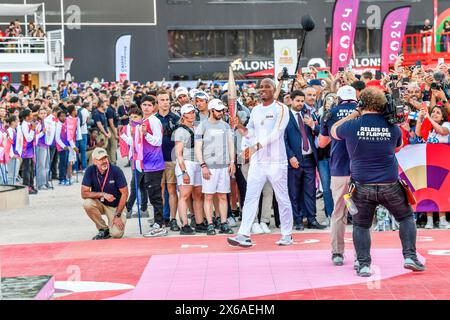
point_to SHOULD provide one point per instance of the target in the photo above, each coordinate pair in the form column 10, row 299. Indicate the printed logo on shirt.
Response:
column 270, row 116
column 112, row 182
column 374, row 134
column 344, row 113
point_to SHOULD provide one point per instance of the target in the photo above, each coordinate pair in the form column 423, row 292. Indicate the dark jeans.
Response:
column 28, row 172
column 53, row 163
column 166, row 210
column 325, row 178
column 133, row 194
column 393, row 198
column 82, row 146
column 152, row 182
column 302, row 190
column 63, row 157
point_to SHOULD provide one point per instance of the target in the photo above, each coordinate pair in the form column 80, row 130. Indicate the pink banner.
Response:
column 345, row 19
column 394, row 27
column 71, row 128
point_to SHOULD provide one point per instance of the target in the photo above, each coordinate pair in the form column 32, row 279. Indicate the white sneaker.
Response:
column 265, row 228
column 443, row 224
column 232, row 222
column 256, row 229
column 285, row 241
column 429, row 225
column 156, row 231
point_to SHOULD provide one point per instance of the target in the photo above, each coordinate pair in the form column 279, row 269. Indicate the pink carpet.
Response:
column 231, row 276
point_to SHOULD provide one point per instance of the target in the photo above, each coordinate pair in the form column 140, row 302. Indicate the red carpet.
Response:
column 123, row 262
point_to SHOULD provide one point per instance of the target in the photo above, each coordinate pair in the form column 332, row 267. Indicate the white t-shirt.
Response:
column 84, row 115
column 267, row 126
column 437, row 138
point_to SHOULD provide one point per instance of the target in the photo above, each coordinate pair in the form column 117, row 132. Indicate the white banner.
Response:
column 123, row 45
column 285, row 52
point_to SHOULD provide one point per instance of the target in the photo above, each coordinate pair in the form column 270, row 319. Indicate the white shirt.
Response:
column 438, row 138
column 267, row 126
column 27, row 133
column 84, row 115
column 156, row 138
column 50, row 128
column 305, row 153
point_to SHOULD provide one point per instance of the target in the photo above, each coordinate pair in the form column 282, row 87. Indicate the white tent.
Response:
column 12, row 10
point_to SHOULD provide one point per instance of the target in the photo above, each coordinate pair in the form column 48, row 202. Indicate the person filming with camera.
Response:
column 371, row 142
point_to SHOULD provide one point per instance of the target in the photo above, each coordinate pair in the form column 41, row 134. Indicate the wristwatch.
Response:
column 102, row 199
column 118, row 215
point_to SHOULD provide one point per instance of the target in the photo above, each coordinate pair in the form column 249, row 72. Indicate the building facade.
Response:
column 192, row 39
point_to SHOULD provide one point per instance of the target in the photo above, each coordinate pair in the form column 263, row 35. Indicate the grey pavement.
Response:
column 58, row 216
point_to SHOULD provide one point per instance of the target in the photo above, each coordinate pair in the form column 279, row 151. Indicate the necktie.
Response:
column 301, row 125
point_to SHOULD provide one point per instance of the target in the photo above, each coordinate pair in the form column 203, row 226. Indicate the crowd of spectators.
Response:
column 102, row 111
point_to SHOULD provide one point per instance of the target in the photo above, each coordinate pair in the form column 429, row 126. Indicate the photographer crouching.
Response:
column 372, row 141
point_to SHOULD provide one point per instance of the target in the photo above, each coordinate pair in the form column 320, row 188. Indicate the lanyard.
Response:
column 102, row 186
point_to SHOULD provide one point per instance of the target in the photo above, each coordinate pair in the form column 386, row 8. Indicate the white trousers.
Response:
column 267, row 194
column 258, row 175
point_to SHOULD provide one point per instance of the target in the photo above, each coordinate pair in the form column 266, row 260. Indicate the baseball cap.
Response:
column 347, row 93
column 186, row 109
column 99, row 153
column 216, row 104
column 193, row 92
column 5, row 78
column 180, row 91
column 202, row 95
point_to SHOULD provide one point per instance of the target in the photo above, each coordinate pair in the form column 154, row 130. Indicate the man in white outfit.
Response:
column 268, row 122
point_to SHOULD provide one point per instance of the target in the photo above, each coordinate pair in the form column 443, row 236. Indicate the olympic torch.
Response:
column 232, row 93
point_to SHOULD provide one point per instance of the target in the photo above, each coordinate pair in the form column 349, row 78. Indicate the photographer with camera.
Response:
column 372, row 140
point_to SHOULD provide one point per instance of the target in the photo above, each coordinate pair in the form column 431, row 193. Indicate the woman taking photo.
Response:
column 188, row 171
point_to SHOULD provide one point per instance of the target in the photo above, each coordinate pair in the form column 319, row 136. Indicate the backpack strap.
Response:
column 190, row 132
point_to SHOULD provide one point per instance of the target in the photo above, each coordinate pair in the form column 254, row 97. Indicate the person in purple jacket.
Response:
column 153, row 163
column 29, row 134
column 42, row 154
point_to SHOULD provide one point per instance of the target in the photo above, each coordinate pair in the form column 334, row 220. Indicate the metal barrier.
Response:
column 23, row 45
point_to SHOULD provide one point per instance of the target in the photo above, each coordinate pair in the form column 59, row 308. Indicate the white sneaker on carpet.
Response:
column 429, row 225
column 285, row 241
column 443, row 224
column 265, row 228
column 256, row 229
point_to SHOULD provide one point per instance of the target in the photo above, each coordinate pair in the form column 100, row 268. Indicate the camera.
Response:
column 394, row 77
column 395, row 110
column 285, row 76
column 436, row 86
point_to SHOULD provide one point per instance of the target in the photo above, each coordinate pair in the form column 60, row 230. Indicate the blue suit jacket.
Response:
column 293, row 138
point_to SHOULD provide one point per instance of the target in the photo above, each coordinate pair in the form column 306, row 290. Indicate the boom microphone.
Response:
column 308, row 23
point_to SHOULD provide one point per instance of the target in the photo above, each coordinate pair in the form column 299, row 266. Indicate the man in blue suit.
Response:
column 301, row 150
